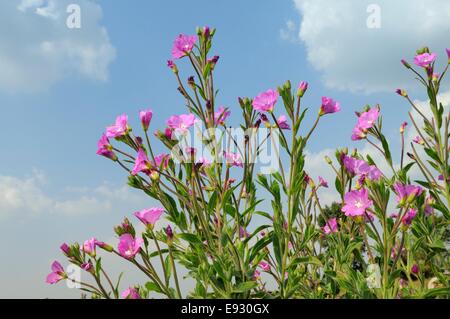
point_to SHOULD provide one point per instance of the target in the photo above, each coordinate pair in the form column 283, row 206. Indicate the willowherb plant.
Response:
column 224, row 231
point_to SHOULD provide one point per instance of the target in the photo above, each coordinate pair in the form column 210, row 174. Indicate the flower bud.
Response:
column 406, row 64
column 169, row 234
column 172, row 66
column 401, row 92
column 328, row 160
column 191, row 82
column 415, row 269
column 302, row 87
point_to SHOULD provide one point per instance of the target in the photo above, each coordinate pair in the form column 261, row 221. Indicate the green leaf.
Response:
column 245, row 286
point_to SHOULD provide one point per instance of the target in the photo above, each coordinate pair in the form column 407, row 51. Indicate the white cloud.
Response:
column 289, row 31
column 38, row 49
column 27, row 197
column 353, row 57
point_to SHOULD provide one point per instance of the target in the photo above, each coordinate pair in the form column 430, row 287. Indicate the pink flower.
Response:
column 89, row 246
column 425, row 59
column 406, row 192
column 264, row 266
column 256, row 274
column 233, row 159
column 145, row 117
column 141, row 164
column 162, row 159
column 360, row 167
column 243, row 233
column 120, row 128
column 221, row 115
column 356, row 202
column 87, row 266
column 374, row 173
column 355, row 166
column 323, row 182
column 203, row 161
column 358, row 134
column 418, row 140
column 409, row 216
column 331, row 226
column 57, row 273
column 183, row 45
column 149, row 216
column 265, row 101
column 329, row 106
column 368, row 119
column 302, row 87
column 181, row 123
column 128, row 246
column 448, row 53
column 283, row 123
column 105, row 148
column 131, row 293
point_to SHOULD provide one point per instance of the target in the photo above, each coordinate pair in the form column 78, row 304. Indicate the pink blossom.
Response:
column 265, row 101
column 141, row 164
column 355, row 166
column 243, row 232
column 329, row 106
column 221, row 115
column 323, row 182
column 233, row 159
column 283, row 123
column 128, row 246
column 367, row 120
column 409, row 216
column 86, row 266
column 264, row 266
column 57, row 273
column 181, row 123
column 183, row 45
column 331, row 226
column 425, row 59
column 356, row 202
column 418, row 140
column 170, row 64
column 256, row 274
column 105, row 148
column 406, row 192
column 358, row 134
column 89, row 246
column 162, row 159
column 145, row 117
column 149, row 216
column 374, row 173
column 131, row 293
column 448, row 53
column 120, row 127
column 203, row 161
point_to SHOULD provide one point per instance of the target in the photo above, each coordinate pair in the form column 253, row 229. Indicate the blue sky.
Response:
column 55, row 102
